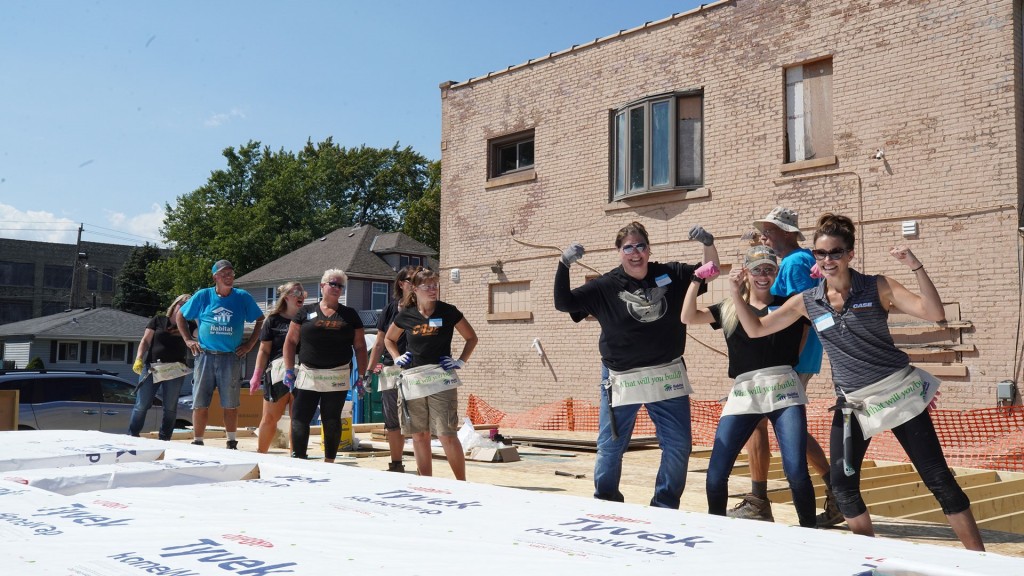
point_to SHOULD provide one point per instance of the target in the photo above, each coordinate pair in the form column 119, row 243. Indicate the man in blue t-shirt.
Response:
column 780, row 232
column 221, row 311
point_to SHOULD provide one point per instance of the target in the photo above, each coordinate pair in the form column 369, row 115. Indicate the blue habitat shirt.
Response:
column 221, row 319
column 795, row 276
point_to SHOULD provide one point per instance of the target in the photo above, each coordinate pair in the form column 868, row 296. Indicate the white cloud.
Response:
column 37, row 225
column 146, row 224
column 223, row 118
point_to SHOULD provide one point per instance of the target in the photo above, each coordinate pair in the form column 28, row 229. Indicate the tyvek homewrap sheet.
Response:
column 312, row 518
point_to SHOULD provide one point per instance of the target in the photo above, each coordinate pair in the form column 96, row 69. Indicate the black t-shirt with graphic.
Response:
column 639, row 319
column 326, row 341
column 747, row 354
column 387, row 316
column 429, row 338
column 167, row 345
column 274, row 330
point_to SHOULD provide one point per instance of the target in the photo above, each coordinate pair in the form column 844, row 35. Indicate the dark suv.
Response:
column 75, row 400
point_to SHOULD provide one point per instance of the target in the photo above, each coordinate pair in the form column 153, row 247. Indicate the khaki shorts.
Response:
column 437, row 414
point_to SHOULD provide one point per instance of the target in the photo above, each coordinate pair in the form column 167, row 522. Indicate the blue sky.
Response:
column 112, row 108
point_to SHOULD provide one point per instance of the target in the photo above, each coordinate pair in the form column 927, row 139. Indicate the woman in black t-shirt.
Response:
column 161, row 344
column 324, row 335
column 765, row 385
column 276, row 396
column 429, row 325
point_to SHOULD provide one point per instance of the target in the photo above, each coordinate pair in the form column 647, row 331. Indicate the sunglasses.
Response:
column 630, row 248
column 834, row 254
column 762, row 271
column 334, row 284
column 427, row 287
column 297, row 293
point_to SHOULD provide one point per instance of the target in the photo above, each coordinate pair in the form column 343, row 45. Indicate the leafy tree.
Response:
column 133, row 291
column 36, row 363
column 265, row 204
column 423, row 214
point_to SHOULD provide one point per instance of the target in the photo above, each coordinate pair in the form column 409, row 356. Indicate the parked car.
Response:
column 75, row 400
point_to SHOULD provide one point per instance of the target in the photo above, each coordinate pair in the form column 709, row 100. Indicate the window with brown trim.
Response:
column 809, row 112
column 509, row 301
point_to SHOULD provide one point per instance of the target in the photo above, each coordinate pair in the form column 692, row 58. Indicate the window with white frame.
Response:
column 809, row 111
column 271, row 298
column 378, row 295
column 511, row 153
column 658, row 144
column 112, row 352
column 68, row 351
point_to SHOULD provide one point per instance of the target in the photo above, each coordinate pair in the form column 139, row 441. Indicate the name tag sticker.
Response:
column 311, row 316
column 663, row 280
column 434, row 322
column 824, row 321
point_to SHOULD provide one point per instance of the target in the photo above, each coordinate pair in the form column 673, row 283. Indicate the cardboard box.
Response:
column 250, row 409
column 509, row 454
column 8, row 409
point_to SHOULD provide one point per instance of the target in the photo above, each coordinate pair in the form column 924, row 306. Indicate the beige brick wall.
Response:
column 936, row 84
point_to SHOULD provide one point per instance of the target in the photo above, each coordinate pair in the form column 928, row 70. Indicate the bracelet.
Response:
column 918, row 268
column 696, row 280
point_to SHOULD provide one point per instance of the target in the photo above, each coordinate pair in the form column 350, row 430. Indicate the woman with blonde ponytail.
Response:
column 765, row 385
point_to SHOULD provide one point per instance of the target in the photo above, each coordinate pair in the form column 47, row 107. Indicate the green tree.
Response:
column 133, row 291
column 423, row 215
column 36, row 363
column 265, row 204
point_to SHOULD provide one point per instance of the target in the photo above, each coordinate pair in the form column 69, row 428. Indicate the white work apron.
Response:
column 425, row 380
column 323, row 379
column 893, row 400
column 168, row 371
column 649, row 384
column 388, row 377
column 764, row 391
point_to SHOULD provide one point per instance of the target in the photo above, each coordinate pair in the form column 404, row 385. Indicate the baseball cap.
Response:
column 220, row 265
column 782, row 217
column 760, row 255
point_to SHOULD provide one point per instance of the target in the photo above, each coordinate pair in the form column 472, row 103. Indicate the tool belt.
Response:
column 425, row 380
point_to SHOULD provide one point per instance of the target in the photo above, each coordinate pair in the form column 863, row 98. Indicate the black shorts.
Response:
column 273, row 392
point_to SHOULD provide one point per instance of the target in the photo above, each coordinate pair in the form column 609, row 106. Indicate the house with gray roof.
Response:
column 368, row 256
column 81, row 339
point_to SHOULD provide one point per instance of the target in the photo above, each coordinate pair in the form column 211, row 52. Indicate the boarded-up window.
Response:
column 809, row 111
column 509, row 301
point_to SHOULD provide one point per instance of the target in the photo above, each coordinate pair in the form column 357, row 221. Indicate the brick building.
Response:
column 904, row 116
column 43, row 278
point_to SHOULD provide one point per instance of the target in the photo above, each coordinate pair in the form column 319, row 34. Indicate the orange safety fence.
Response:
column 985, row 438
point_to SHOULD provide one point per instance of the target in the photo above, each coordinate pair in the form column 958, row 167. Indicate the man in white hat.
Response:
column 222, row 311
column 780, row 231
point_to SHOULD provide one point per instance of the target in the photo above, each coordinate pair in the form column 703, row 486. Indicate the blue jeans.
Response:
column 216, row 371
column 790, row 426
column 144, row 395
column 672, row 426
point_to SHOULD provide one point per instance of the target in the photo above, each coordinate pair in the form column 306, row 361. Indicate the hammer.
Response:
column 847, row 407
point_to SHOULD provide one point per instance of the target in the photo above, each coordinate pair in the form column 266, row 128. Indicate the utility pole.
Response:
column 74, row 267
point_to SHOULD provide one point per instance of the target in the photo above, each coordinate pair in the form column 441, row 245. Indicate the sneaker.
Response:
column 198, row 442
column 232, row 444
column 396, row 467
column 831, row 516
column 752, row 508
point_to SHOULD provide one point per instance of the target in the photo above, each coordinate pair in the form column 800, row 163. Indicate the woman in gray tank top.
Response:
column 849, row 311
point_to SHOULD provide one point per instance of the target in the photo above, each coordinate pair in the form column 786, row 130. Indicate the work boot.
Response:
column 232, row 444
column 396, row 467
column 831, row 516
column 198, row 442
column 752, row 508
